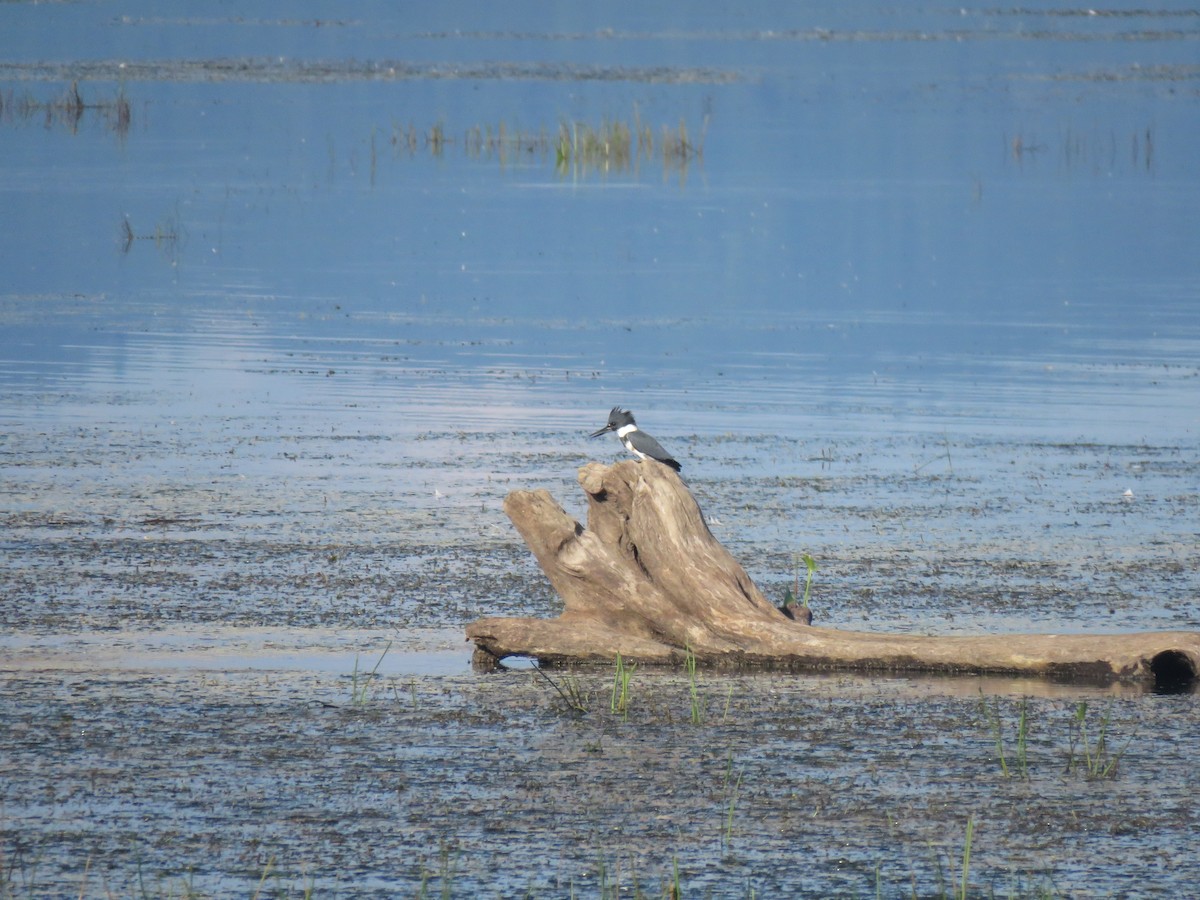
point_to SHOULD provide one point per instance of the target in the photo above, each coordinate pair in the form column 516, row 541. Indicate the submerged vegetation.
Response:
column 68, row 109
column 1096, row 151
column 166, row 235
column 575, row 148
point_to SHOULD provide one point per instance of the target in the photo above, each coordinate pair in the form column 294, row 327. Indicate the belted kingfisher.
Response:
column 636, row 442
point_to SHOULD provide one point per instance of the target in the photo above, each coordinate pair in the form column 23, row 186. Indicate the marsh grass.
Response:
column 577, row 148
column 674, row 889
column 678, row 147
column 263, row 880
column 69, row 109
column 960, row 885
column 733, row 794
column 506, row 144
column 166, row 235
column 992, row 715
column 611, row 882
column 1095, row 758
column 444, row 875
column 965, row 882
column 619, row 704
column 436, row 139
column 571, row 690
column 360, row 685
column 581, row 146
column 1073, row 149
column 609, row 886
column 689, row 662
column 412, row 692
column 19, row 875
column 404, row 137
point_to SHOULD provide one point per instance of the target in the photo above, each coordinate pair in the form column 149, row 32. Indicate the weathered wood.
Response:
column 648, row 580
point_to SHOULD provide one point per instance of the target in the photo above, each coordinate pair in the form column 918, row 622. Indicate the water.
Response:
column 924, row 302
column 967, row 232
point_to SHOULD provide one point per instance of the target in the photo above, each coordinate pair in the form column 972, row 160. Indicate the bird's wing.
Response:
column 651, row 447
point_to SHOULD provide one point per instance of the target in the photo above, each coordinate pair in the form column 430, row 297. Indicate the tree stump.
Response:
column 648, row 580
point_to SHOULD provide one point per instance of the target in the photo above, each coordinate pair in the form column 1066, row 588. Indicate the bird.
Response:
column 635, row 440
column 794, row 610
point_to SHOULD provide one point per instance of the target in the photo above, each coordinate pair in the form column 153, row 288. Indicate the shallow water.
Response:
column 170, row 777
column 272, row 352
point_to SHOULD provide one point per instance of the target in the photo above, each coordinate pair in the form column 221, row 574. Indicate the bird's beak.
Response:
column 601, row 431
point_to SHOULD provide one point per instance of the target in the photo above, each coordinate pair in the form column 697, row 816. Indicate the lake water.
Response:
column 293, row 297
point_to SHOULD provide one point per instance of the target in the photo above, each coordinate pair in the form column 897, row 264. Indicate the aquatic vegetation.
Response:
column 166, row 235
column 674, row 887
column 689, row 662
column 68, row 109
column 571, row 690
column 793, row 595
column 1095, row 150
column 1092, row 756
column 992, row 715
column 412, row 692
column 576, row 148
column 436, row 139
column 966, row 859
column 810, row 565
column 580, row 145
column 360, row 685
column 504, row 143
column 728, row 702
column 732, row 788
column 620, row 690
column 1096, row 760
column 444, row 874
column 944, row 455
column 616, row 145
column 734, row 792
column 960, row 889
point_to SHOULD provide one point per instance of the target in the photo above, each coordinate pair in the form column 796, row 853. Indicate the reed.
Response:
column 619, row 703
column 689, row 662
column 730, row 808
column 571, row 691
column 992, row 714
column 69, row 109
column 960, row 888
column 360, row 686
column 966, row 859
column 577, row 148
column 444, row 875
column 1095, row 758
column 167, row 235
column 674, row 889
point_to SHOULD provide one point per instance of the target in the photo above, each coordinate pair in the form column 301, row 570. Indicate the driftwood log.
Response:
column 647, row 579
